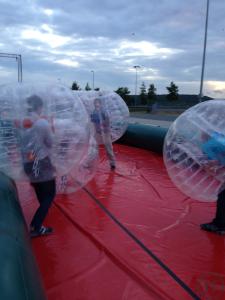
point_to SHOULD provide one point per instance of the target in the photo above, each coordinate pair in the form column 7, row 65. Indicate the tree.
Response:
column 143, row 94
column 87, row 87
column 124, row 93
column 75, row 86
column 173, row 92
column 97, row 89
column 151, row 93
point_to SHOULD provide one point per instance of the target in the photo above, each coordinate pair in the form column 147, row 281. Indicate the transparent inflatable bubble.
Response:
column 43, row 131
column 194, row 150
column 108, row 113
column 81, row 174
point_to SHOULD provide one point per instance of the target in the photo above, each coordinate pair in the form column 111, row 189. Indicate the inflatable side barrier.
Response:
column 145, row 137
column 19, row 276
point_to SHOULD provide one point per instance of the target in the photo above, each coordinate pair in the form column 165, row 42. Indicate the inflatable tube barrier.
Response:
column 19, row 276
column 145, row 137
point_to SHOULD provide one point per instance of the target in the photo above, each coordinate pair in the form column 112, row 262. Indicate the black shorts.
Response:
column 40, row 170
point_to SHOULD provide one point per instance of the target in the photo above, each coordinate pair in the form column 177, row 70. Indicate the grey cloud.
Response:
column 171, row 24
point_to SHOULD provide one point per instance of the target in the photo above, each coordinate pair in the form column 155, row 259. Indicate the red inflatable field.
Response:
column 111, row 237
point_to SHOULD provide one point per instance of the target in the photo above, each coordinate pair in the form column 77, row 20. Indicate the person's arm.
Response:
column 48, row 138
column 93, row 117
column 105, row 118
column 45, row 132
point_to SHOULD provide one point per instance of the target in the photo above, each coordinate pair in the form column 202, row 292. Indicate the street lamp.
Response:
column 93, row 79
column 204, row 52
column 136, row 68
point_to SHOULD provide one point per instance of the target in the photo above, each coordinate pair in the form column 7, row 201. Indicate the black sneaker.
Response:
column 211, row 227
column 41, row 232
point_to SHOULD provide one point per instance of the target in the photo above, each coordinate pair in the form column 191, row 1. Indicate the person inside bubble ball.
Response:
column 36, row 143
column 214, row 149
column 100, row 119
column 217, row 225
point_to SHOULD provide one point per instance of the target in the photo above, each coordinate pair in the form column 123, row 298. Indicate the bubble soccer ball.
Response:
column 41, row 139
column 82, row 173
column 194, row 150
column 108, row 112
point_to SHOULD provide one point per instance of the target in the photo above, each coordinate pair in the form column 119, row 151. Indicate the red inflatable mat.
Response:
column 91, row 257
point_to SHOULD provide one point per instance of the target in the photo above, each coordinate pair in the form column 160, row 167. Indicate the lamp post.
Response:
column 136, row 68
column 204, row 52
column 93, row 79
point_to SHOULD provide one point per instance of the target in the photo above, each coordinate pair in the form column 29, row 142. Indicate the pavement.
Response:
column 152, row 119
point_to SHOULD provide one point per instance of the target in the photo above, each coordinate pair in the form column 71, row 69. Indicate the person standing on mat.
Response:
column 36, row 142
column 217, row 225
column 100, row 119
column 215, row 151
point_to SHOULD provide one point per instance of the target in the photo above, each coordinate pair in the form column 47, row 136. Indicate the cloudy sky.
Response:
column 65, row 40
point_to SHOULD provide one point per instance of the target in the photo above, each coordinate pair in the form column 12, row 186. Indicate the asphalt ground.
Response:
column 159, row 119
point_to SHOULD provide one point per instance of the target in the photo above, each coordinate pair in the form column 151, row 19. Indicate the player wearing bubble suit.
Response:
column 214, row 149
column 194, row 154
column 101, row 121
column 36, row 143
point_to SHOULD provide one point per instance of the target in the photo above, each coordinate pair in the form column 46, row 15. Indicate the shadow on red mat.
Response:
column 90, row 257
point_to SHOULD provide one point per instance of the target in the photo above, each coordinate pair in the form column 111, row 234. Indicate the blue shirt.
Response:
column 214, row 148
